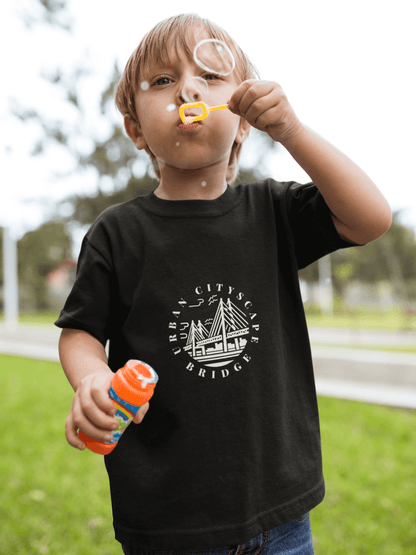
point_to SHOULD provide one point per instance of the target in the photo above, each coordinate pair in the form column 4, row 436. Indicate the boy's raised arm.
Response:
column 360, row 212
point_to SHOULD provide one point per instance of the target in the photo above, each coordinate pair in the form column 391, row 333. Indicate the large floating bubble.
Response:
column 215, row 56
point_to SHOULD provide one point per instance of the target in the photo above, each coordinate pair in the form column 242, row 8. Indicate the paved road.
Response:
column 387, row 378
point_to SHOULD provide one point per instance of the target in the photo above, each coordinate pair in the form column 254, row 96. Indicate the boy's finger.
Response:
column 72, row 435
column 101, row 398
column 92, row 430
column 95, row 411
column 238, row 94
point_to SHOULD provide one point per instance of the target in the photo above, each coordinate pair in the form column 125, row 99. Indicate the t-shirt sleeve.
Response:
column 87, row 307
column 309, row 220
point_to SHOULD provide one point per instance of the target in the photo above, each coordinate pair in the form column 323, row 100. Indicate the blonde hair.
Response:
column 173, row 32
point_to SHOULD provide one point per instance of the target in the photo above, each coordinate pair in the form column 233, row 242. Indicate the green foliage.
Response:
column 1, row 257
column 40, row 252
column 86, row 208
column 55, row 499
column 111, row 155
column 391, row 258
column 51, row 12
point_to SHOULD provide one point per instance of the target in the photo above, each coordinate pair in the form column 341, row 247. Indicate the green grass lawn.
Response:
column 55, row 499
column 45, row 318
column 364, row 319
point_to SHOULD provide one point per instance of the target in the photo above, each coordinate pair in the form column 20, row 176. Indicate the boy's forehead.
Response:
column 186, row 41
column 176, row 47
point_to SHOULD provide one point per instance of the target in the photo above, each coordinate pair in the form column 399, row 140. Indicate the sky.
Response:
column 348, row 69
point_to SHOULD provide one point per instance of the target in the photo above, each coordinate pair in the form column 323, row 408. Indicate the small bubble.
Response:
column 204, row 183
column 171, row 107
column 177, row 144
column 144, row 86
column 195, row 88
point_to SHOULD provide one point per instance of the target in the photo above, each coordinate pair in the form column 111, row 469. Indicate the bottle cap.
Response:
column 135, row 382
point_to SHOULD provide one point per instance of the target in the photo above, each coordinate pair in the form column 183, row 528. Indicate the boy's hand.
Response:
column 92, row 410
column 265, row 106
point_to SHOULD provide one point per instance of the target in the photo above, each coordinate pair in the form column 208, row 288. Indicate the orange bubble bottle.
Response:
column 131, row 387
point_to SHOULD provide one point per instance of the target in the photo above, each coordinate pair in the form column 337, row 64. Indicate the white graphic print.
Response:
column 218, row 341
column 213, row 327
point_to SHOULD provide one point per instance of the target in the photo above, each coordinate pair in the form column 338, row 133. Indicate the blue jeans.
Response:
column 293, row 538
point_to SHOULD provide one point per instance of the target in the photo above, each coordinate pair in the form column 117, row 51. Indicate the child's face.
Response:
column 157, row 103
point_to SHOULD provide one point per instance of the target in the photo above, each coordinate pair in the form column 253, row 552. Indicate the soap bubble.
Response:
column 144, row 85
column 171, row 107
column 215, row 56
column 204, row 184
column 195, row 89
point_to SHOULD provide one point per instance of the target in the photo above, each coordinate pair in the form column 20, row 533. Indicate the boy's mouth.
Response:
column 192, row 125
column 189, row 126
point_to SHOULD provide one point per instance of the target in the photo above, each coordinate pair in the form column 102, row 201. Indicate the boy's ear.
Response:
column 243, row 131
column 134, row 132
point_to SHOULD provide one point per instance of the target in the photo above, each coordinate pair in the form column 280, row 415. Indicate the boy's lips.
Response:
column 189, row 126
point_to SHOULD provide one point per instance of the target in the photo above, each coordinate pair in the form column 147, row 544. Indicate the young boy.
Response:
column 199, row 279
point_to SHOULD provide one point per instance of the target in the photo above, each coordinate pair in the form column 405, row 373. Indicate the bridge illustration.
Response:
column 224, row 341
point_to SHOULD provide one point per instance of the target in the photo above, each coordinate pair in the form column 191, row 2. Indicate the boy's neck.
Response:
column 191, row 185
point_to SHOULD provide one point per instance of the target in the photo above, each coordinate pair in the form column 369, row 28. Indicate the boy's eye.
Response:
column 163, row 81
column 210, row 76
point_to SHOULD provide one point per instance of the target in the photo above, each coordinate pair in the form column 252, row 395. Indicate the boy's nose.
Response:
column 195, row 89
column 190, row 96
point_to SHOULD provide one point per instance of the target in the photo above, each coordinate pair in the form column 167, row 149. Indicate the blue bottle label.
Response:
column 124, row 414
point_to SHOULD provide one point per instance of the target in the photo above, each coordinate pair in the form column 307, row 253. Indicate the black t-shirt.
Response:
column 207, row 293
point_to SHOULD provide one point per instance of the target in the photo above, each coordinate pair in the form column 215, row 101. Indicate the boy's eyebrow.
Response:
column 159, row 65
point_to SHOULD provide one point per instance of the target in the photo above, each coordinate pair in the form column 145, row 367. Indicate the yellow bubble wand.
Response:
column 205, row 111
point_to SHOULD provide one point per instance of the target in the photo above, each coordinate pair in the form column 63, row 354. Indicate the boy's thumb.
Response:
column 141, row 413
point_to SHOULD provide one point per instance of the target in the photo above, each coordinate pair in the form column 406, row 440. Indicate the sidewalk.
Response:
column 30, row 340
column 387, row 378
column 381, row 377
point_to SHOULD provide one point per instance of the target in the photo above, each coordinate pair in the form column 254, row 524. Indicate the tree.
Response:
column 1, row 258
column 391, row 258
column 51, row 12
column 39, row 252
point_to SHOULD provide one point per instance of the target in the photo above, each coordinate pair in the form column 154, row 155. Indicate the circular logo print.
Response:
column 214, row 326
